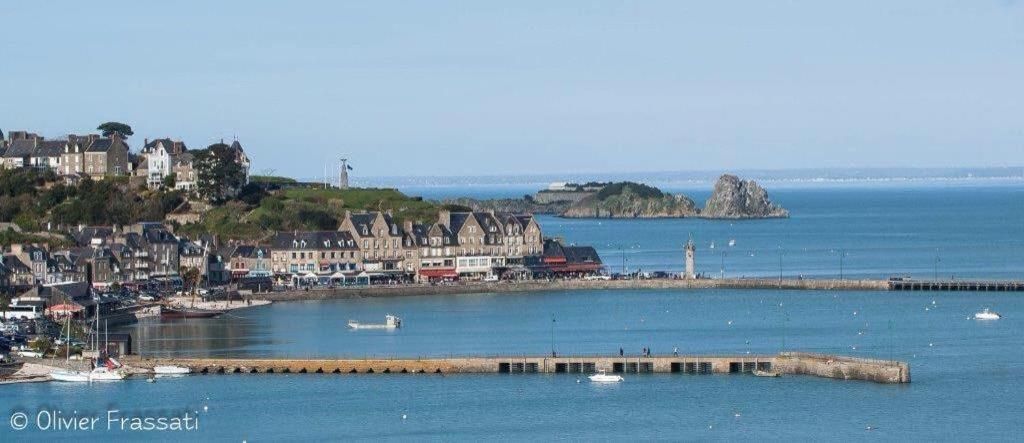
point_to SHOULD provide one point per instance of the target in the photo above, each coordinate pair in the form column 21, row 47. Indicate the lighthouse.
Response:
column 690, row 274
column 343, row 174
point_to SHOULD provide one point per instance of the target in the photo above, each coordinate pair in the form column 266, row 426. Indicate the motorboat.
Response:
column 761, row 373
column 170, row 370
column 103, row 373
column 987, row 314
column 70, row 376
column 167, row 312
column 390, row 322
column 602, row 377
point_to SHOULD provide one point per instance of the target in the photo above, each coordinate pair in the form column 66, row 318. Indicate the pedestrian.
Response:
column 620, row 351
column 675, row 351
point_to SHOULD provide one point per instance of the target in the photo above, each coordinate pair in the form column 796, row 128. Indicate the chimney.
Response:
column 408, row 226
column 444, row 217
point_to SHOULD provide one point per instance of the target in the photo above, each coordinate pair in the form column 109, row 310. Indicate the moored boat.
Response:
column 987, row 314
column 70, row 376
column 602, row 377
column 390, row 322
column 170, row 370
column 761, row 373
column 167, row 312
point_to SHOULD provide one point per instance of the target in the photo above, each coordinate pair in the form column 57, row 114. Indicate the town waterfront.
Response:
column 967, row 375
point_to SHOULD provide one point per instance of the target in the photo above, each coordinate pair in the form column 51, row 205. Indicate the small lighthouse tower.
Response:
column 343, row 174
column 690, row 273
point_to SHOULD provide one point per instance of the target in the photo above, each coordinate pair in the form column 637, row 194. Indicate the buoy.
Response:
column 206, row 408
column 403, row 416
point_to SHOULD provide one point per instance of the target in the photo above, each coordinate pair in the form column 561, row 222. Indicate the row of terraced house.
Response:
column 368, row 247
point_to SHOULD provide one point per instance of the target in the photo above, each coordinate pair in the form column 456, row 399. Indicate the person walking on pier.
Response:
column 675, row 351
column 620, row 351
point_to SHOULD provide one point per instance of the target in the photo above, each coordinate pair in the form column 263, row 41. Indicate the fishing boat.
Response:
column 167, row 312
column 602, row 377
column 390, row 322
column 761, row 373
column 170, row 370
column 987, row 314
column 70, row 376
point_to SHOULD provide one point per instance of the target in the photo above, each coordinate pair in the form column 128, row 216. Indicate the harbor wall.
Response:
column 569, row 285
column 846, row 368
column 835, row 367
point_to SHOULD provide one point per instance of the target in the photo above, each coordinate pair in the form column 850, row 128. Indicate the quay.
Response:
column 957, row 285
column 344, row 292
column 791, row 363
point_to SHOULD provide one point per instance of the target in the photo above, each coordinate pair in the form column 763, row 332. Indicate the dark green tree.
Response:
column 218, row 175
column 110, row 128
column 169, row 180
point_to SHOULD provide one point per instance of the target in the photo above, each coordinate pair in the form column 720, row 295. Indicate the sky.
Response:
column 528, row 87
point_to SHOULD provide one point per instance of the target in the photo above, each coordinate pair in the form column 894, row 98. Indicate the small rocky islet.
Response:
column 732, row 198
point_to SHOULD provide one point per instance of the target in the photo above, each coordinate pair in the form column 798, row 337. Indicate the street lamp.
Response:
column 936, row 275
column 723, row 264
column 552, row 335
column 842, row 255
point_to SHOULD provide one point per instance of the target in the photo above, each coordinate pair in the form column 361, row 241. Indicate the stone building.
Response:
column 301, row 255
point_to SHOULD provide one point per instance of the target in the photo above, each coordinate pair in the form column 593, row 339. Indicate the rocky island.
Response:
column 732, row 198
column 737, row 199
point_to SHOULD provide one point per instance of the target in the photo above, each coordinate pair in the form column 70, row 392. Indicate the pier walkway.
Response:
column 795, row 363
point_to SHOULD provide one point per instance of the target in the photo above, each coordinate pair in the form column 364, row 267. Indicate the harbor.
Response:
column 785, row 363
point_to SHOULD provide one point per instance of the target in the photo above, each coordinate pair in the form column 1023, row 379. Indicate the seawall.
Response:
column 826, row 366
column 570, row 285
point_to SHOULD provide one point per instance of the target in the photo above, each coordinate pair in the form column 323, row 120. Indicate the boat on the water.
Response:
column 170, row 370
column 167, row 312
column 390, row 322
column 70, row 376
column 761, row 373
column 104, row 373
column 602, row 377
column 987, row 314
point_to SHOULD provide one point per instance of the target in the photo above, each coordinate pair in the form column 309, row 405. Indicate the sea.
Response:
column 967, row 375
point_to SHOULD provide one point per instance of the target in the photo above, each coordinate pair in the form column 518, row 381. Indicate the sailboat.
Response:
column 110, row 370
column 68, row 375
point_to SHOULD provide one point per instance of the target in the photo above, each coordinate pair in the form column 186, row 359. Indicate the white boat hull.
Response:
column 604, row 378
column 170, row 370
column 70, row 376
column 104, row 374
column 987, row 316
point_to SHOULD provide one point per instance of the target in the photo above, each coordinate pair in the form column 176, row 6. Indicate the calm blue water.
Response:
column 967, row 375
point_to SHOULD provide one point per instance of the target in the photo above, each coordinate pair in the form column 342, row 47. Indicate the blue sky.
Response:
column 467, row 88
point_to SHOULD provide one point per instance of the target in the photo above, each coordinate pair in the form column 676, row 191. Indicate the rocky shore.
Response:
column 732, row 198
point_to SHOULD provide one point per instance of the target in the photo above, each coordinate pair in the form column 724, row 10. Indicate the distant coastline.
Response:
column 694, row 179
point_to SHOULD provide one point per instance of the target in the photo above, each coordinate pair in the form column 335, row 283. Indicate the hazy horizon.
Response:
column 471, row 89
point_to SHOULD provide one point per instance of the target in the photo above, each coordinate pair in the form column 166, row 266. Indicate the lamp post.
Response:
column 780, row 265
column 552, row 335
column 936, row 264
column 723, row 264
column 842, row 255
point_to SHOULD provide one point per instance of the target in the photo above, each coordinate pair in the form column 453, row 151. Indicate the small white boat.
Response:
column 602, row 377
column 70, row 376
column 761, row 373
column 390, row 322
column 732, row 242
column 170, row 370
column 987, row 314
column 104, row 373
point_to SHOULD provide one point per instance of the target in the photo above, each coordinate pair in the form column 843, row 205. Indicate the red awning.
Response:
column 65, row 308
column 439, row 273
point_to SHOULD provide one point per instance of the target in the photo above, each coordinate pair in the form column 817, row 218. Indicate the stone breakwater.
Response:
column 790, row 363
column 569, row 285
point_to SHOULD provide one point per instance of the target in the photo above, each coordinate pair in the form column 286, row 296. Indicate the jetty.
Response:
column 788, row 363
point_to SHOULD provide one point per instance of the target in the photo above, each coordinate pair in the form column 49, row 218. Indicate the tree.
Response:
column 218, row 175
column 110, row 128
column 169, row 180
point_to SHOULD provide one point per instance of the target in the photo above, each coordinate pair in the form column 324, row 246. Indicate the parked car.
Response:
column 491, row 277
column 597, row 277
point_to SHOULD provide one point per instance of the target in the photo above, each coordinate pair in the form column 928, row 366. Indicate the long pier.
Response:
column 573, row 285
column 957, row 285
column 793, row 363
